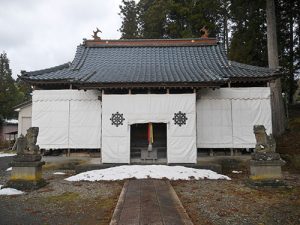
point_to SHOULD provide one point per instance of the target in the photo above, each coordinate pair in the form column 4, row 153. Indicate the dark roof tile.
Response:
column 191, row 63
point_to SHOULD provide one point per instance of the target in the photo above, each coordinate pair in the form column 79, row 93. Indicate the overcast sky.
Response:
column 37, row 34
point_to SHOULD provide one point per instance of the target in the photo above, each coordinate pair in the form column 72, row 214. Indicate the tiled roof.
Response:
column 148, row 61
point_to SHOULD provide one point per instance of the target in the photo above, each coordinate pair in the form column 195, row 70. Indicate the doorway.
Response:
column 139, row 143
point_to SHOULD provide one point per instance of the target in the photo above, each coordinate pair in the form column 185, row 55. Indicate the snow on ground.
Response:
column 12, row 121
column 59, row 173
column 236, row 171
column 9, row 169
column 10, row 191
column 6, row 154
column 147, row 171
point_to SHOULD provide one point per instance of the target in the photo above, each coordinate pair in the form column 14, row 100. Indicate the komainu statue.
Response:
column 26, row 147
column 27, row 165
column 31, row 138
column 264, row 142
column 265, row 145
column 265, row 163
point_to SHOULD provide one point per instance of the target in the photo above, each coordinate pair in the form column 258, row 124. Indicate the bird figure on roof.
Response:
column 205, row 32
column 95, row 35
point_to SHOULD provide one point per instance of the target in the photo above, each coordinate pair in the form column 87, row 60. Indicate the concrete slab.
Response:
column 149, row 201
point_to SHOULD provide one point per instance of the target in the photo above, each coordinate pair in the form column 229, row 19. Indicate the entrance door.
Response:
column 139, row 142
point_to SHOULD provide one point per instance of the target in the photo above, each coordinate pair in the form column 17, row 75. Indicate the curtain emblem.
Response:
column 180, row 118
column 117, row 119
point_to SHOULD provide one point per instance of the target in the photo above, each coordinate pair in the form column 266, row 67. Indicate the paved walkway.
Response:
column 149, row 202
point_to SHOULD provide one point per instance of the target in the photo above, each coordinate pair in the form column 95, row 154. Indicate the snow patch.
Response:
column 10, row 191
column 12, row 121
column 9, row 169
column 235, row 171
column 147, row 171
column 6, row 154
column 59, row 173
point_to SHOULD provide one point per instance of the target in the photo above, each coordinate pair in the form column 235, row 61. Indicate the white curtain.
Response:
column 226, row 116
column 67, row 118
column 181, row 140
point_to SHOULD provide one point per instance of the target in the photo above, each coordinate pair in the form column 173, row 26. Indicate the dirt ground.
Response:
column 236, row 202
column 61, row 202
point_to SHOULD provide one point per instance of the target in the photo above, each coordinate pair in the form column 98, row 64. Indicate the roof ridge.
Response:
column 87, row 76
column 151, row 42
column 80, row 56
column 77, row 56
column 82, row 59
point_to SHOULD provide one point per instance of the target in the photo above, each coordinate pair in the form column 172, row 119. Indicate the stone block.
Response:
column 27, row 158
column 26, row 175
column 266, row 156
column 26, row 171
column 266, row 170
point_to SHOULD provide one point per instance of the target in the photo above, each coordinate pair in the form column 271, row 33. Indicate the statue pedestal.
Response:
column 266, row 170
column 25, row 174
column 266, row 166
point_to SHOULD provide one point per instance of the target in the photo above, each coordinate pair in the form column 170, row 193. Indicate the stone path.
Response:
column 149, row 201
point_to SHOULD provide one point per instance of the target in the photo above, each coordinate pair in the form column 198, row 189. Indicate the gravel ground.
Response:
column 4, row 162
column 206, row 201
column 61, row 202
column 236, row 202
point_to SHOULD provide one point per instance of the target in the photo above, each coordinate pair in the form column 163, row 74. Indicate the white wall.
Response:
column 24, row 119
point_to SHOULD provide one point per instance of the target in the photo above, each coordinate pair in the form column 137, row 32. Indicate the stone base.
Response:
column 26, row 175
column 31, row 171
column 26, row 185
column 27, row 158
column 265, row 170
column 266, row 183
column 266, row 156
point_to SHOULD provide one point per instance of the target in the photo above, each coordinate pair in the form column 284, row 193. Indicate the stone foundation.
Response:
column 26, row 175
column 266, row 170
column 26, row 185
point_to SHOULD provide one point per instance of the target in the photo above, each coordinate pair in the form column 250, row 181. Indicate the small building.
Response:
column 131, row 97
column 24, row 117
column 9, row 130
